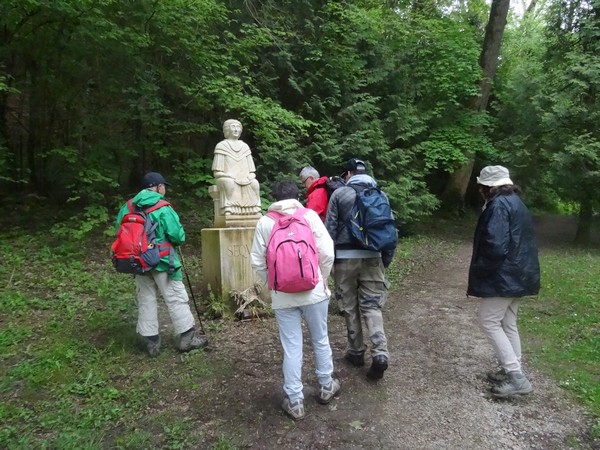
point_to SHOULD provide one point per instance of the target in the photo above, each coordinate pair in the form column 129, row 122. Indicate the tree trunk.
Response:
column 584, row 224
column 488, row 60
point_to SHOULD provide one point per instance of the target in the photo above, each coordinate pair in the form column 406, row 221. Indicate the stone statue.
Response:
column 233, row 169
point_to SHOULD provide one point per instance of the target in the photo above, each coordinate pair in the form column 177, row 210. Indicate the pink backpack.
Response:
column 292, row 258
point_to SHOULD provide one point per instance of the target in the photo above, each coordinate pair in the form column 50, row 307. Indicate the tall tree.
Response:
column 488, row 60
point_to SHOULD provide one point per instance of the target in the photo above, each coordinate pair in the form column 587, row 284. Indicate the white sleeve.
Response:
column 258, row 253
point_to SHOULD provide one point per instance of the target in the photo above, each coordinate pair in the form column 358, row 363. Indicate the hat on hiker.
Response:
column 152, row 179
column 494, row 176
column 354, row 165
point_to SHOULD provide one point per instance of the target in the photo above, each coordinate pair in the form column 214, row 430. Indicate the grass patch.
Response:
column 562, row 327
column 72, row 371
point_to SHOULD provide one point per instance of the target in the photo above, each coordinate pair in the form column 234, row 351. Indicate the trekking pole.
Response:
column 191, row 291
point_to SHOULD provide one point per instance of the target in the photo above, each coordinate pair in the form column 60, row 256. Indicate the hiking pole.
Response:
column 191, row 291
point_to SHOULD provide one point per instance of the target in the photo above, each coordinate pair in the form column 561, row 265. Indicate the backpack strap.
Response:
column 359, row 187
column 300, row 213
column 166, row 244
column 159, row 204
column 275, row 215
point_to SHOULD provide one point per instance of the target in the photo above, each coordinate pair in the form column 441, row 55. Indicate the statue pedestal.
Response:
column 226, row 259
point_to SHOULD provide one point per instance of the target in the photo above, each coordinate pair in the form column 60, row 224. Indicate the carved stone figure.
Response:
column 233, row 169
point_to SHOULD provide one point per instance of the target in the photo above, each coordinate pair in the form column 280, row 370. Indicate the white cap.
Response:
column 494, row 176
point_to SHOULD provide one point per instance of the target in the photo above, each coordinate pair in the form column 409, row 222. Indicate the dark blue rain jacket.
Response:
column 505, row 255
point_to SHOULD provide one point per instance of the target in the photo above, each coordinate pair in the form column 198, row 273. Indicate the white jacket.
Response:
column 258, row 255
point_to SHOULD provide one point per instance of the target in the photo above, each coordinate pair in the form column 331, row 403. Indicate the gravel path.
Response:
column 434, row 395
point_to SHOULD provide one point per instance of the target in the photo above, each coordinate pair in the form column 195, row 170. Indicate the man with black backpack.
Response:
column 164, row 277
column 364, row 247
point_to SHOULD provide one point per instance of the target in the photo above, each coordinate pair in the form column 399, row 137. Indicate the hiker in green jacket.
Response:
column 167, row 277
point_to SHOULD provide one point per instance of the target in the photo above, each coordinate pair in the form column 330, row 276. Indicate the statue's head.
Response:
column 232, row 129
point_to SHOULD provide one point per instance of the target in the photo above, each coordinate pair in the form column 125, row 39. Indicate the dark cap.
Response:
column 355, row 165
column 152, row 179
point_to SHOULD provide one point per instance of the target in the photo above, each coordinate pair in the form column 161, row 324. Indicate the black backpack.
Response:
column 332, row 184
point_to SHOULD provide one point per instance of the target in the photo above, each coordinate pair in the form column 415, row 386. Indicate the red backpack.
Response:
column 135, row 249
column 292, row 258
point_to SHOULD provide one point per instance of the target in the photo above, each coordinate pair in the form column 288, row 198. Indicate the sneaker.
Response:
column 327, row 392
column 379, row 365
column 190, row 341
column 357, row 360
column 293, row 409
column 497, row 377
column 516, row 383
column 153, row 347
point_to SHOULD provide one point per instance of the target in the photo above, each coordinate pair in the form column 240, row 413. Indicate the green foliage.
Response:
column 82, row 224
column 224, row 443
column 120, row 88
column 548, row 106
column 216, row 306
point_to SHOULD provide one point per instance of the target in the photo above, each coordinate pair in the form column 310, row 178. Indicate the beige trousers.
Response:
column 175, row 297
column 498, row 320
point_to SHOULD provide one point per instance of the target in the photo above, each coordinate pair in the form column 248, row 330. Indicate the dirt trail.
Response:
column 433, row 396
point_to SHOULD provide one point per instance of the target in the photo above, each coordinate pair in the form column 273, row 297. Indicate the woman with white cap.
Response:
column 504, row 268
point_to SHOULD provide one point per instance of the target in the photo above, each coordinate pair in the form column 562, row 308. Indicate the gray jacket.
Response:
column 338, row 217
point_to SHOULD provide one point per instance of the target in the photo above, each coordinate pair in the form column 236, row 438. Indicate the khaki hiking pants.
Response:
column 361, row 291
column 175, row 297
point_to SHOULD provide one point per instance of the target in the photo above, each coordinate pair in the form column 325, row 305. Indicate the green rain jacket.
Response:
column 169, row 227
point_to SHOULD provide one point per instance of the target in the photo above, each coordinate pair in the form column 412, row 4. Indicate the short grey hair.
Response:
column 307, row 172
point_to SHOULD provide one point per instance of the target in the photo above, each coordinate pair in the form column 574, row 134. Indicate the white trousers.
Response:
column 290, row 334
column 498, row 320
column 175, row 297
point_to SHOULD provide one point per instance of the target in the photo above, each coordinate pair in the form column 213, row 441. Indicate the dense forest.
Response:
column 93, row 93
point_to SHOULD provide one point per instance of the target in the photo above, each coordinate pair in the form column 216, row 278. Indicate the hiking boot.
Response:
column 497, row 377
column 516, row 383
column 190, row 341
column 293, row 409
column 379, row 365
column 327, row 392
column 357, row 360
column 153, row 347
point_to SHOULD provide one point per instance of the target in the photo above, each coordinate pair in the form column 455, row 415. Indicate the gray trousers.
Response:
column 361, row 291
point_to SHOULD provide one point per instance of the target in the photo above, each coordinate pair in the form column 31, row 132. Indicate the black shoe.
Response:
column 379, row 365
column 355, row 360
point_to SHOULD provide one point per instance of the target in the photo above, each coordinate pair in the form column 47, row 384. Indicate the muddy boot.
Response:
column 190, row 341
column 379, row 365
column 497, row 377
column 153, row 345
column 356, row 359
column 515, row 384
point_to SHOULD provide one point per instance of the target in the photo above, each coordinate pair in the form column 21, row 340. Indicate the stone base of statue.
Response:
column 226, row 260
